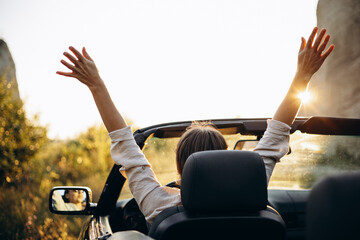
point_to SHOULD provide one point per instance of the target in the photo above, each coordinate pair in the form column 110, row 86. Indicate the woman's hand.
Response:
column 83, row 68
column 311, row 55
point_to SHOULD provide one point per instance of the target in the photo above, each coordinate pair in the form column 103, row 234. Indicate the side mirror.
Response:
column 71, row 200
column 248, row 144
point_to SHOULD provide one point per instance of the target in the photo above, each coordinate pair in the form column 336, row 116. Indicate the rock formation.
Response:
column 7, row 69
column 337, row 84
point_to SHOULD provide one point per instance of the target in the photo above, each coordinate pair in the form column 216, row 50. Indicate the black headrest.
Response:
column 224, row 181
column 333, row 208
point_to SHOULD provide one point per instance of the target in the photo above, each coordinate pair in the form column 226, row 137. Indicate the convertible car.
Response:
column 314, row 191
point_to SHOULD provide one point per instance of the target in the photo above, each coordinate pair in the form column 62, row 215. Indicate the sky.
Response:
column 162, row 60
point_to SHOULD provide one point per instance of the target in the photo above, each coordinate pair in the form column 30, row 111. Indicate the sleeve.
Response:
column 58, row 202
column 151, row 197
column 273, row 145
column 60, row 205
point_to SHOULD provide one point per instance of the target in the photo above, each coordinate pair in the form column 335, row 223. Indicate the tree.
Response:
column 20, row 139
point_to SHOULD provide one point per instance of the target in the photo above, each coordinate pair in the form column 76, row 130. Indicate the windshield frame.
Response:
column 254, row 126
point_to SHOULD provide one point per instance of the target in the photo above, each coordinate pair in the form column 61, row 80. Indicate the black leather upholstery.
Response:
column 224, row 196
column 333, row 209
column 215, row 177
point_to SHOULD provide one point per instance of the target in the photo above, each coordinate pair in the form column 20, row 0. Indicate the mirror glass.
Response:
column 248, row 145
column 69, row 199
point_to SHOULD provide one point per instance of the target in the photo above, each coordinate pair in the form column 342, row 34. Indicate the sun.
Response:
column 305, row 97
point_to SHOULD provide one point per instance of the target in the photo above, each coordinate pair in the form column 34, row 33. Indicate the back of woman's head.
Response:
column 65, row 196
column 200, row 136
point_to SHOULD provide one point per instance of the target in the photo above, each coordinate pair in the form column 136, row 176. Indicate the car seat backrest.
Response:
column 224, row 195
column 224, row 182
column 333, row 210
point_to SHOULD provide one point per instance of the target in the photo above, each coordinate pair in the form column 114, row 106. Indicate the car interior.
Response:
column 229, row 198
column 290, row 204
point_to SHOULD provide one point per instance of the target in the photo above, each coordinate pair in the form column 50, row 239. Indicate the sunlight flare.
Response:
column 305, row 97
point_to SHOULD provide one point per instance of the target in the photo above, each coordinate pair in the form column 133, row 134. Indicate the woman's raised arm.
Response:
column 310, row 59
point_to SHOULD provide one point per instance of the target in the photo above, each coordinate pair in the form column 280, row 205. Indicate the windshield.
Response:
column 312, row 157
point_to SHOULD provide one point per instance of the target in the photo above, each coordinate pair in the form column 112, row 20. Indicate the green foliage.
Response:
column 20, row 139
column 31, row 164
column 83, row 160
column 25, row 215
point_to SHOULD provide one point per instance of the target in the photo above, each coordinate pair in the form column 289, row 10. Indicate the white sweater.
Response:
column 153, row 198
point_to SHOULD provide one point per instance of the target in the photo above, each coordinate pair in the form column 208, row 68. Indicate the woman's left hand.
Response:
column 82, row 68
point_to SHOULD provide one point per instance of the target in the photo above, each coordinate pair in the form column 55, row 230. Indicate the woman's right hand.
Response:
column 82, row 68
column 312, row 54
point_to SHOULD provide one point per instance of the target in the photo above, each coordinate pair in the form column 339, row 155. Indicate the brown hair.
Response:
column 200, row 136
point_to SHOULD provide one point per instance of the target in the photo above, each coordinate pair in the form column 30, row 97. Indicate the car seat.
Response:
column 333, row 210
column 224, row 196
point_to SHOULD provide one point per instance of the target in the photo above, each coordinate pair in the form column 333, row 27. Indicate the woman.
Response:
column 151, row 197
column 72, row 200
